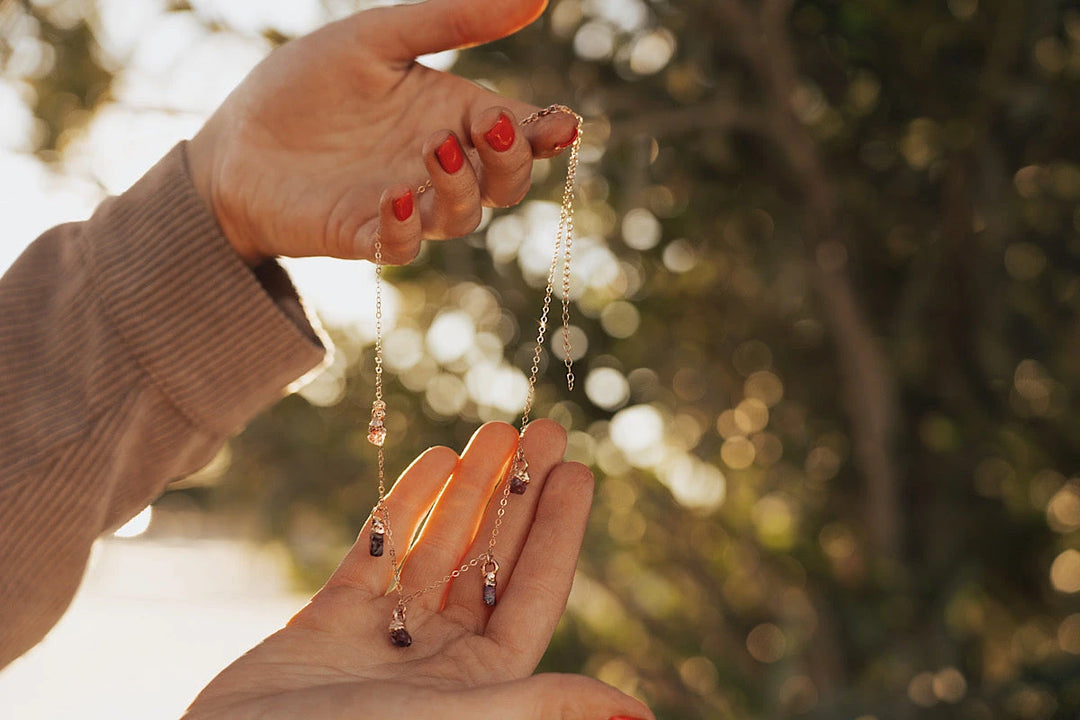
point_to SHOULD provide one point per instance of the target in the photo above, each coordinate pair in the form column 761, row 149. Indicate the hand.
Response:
column 467, row 661
column 309, row 154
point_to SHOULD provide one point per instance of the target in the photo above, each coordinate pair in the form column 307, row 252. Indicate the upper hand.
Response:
column 467, row 661
column 308, row 154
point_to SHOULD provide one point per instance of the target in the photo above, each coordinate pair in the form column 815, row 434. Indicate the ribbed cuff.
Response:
column 194, row 316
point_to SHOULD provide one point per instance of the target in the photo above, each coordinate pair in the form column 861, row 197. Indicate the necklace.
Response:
column 516, row 481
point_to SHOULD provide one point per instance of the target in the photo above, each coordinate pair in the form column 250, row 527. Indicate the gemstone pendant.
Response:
column 376, row 428
column 399, row 636
column 490, row 568
column 519, row 474
column 378, row 532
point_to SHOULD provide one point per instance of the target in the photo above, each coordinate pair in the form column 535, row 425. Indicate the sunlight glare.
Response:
column 137, row 525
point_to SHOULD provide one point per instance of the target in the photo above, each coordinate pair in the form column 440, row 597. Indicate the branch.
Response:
column 722, row 115
column 735, row 13
column 774, row 13
column 868, row 387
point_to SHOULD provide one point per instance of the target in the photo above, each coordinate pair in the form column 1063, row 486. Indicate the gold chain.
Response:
column 517, row 478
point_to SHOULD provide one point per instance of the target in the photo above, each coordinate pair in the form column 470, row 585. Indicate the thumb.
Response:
column 402, row 33
column 554, row 696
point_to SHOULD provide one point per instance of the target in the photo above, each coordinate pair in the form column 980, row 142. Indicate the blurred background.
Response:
column 825, row 313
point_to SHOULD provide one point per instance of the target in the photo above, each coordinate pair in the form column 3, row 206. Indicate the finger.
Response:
column 535, row 596
column 404, row 32
column 544, row 444
column 548, row 134
column 549, row 696
column 454, row 519
column 397, row 226
column 407, row 503
column 505, row 157
column 452, row 207
column 551, row 134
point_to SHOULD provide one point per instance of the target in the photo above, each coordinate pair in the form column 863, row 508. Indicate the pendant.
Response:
column 376, row 429
column 399, row 636
column 378, row 531
column 519, row 473
column 490, row 568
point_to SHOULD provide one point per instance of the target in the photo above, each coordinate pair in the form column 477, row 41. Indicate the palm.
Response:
column 337, row 645
column 334, row 659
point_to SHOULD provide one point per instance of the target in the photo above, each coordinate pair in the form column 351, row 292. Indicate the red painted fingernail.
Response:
column 562, row 146
column 449, row 155
column 501, row 135
column 403, row 206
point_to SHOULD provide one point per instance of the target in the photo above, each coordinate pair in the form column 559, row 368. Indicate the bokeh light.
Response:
column 1065, row 572
column 607, row 388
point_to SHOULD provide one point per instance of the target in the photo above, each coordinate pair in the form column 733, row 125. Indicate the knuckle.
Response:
column 465, row 221
column 401, row 251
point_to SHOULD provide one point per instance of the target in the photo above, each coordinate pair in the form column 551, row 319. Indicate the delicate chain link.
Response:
column 378, row 318
column 382, row 508
column 563, row 248
column 563, row 245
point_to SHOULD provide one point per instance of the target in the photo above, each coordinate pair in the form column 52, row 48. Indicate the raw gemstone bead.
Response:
column 400, row 638
column 519, row 482
column 378, row 530
column 519, row 474
column 376, row 433
column 489, row 595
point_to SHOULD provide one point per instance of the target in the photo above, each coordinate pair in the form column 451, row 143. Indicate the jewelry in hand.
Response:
column 517, row 477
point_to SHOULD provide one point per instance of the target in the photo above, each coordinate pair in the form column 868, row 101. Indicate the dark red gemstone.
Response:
column 489, row 595
column 400, row 638
column 518, row 485
column 376, row 544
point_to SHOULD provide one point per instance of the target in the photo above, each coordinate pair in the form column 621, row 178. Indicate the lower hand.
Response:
column 467, row 661
column 328, row 139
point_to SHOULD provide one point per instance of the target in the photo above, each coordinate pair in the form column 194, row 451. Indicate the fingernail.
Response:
column 449, row 155
column 501, row 135
column 403, row 206
column 562, row 146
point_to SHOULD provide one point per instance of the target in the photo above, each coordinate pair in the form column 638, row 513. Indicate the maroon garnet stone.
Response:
column 518, row 485
column 400, row 638
column 376, row 544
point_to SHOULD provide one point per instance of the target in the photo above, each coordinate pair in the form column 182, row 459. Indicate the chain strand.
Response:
column 563, row 251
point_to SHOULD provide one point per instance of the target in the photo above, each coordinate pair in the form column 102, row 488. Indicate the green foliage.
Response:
column 68, row 80
column 857, row 324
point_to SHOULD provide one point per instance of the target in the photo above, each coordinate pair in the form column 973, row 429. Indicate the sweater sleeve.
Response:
column 131, row 346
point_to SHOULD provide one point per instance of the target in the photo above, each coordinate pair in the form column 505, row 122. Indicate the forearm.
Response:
column 131, row 346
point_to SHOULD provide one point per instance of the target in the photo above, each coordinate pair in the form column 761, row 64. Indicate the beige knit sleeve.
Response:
column 131, row 346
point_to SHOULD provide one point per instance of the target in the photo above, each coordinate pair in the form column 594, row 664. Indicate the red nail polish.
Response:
column 403, row 206
column 449, row 155
column 562, row 146
column 501, row 135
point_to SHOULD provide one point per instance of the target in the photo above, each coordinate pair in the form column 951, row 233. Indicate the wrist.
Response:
column 201, row 154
